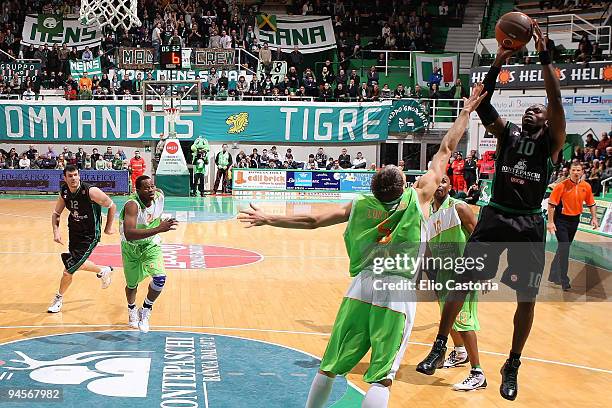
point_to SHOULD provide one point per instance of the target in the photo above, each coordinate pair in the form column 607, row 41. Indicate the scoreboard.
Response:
column 170, row 57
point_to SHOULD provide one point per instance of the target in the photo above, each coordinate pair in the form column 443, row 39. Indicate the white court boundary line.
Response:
column 416, row 343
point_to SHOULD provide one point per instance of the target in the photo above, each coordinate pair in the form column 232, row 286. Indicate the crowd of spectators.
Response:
column 33, row 159
column 394, row 24
column 316, row 161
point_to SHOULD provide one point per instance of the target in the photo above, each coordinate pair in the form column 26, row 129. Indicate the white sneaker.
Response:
column 105, row 276
column 455, row 359
column 56, row 306
column 133, row 318
column 144, row 314
column 475, row 381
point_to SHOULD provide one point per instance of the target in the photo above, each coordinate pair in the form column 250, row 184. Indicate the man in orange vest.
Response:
column 564, row 209
column 137, row 168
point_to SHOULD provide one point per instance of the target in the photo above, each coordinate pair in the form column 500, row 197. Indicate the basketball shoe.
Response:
column 133, row 317
column 56, row 305
column 509, row 385
column 435, row 359
column 456, row 358
column 144, row 314
column 475, row 381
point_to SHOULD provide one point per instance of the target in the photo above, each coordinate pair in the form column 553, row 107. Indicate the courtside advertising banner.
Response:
column 110, row 181
column 310, row 34
column 172, row 161
column 245, row 179
column 73, row 33
column 292, row 122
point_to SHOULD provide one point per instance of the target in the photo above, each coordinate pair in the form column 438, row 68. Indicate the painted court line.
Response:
column 415, row 343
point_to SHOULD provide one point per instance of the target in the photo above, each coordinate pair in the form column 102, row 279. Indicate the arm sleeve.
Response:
column 556, row 195
column 485, row 110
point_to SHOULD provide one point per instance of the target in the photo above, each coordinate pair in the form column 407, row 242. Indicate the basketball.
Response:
column 514, row 30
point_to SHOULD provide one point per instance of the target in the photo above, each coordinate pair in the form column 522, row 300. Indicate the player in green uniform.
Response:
column 391, row 221
column 450, row 224
column 140, row 223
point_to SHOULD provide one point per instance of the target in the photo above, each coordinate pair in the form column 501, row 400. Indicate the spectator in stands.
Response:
column 473, row 194
column 265, row 57
column 242, row 86
column 399, row 92
column 31, row 152
column 65, row 153
column 80, row 157
column 352, row 89
column 289, row 155
column 95, row 156
column 225, row 41
column 364, row 92
column 321, row 158
column 355, row 77
column 340, row 92
column 358, row 162
column 375, row 92
column 582, row 54
column 254, row 158
column 326, row 93
column 51, row 153
column 586, row 42
column 213, row 81
column 344, row 159
column 70, row 94
column 386, row 92
column 458, row 91
column 469, row 170
column 24, row 162
column 435, row 78
column 28, row 94
column 87, row 55
column 254, row 87
column 61, row 163
column 264, row 160
column 310, row 86
column 372, row 75
column 296, row 58
column 326, row 77
column 594, row 178
column 597, row 54
column 85, row 93
column 443, row 9
column 71, row 160
column 109, row 156
column 117, row 163
column 435, row 92
column 590, row 141
column 417, row 93
column 604, row 142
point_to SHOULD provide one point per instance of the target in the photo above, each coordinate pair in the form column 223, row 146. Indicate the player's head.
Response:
column 443, row 189
column 145, row 188
column 535, row 118
column 576, row 172
column 71, row 176
column 388, row 184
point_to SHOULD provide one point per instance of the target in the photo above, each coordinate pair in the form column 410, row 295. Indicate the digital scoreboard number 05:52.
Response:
column 170, row 57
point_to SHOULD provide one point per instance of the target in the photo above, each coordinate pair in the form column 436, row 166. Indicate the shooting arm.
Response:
column 555, row 112
column 486, row 112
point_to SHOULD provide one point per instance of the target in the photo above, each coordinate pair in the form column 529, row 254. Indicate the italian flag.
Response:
column 425, row 64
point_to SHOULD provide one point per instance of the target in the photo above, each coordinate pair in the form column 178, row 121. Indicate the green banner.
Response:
column 52, row 24
column 408, row 115
column 78, row 68
column 294, row 122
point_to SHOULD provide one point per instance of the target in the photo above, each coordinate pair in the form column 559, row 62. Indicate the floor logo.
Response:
column 177, row 256
column 110, row 373
column 121, row 369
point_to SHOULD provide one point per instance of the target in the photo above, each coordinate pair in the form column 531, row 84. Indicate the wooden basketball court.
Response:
column 285, row 289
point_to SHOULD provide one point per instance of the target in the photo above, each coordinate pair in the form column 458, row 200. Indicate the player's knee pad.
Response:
column 158, row 282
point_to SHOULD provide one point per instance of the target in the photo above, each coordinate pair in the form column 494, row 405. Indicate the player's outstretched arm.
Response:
column 55, row 220
column 486, row 112
column 429, row 182
column 130, row 214
column 555, row 112
column 255, row 217
column 98, row 196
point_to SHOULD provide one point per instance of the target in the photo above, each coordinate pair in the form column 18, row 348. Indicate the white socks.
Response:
column 319, row 391
column 376, row 397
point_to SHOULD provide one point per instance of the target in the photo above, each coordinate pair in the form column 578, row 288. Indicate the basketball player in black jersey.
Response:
column 513, row 219
column 84, row 202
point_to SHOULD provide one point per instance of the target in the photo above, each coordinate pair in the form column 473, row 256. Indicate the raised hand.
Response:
column 470, row 104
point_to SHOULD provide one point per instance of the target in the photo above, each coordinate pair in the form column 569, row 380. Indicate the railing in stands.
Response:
column 603, row 185
column 577, row 26
column 387, row 54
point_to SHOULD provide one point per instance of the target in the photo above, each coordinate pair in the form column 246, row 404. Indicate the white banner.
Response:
column 310, row 33
column 172, row 161
column 244, row 179
column 74, row 34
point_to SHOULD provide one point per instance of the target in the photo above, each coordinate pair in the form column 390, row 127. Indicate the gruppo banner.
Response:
column 110, row 181
column 310, row 33
column 531, row 76
column 72, row 33
column 298, row 122
column 408, row 115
